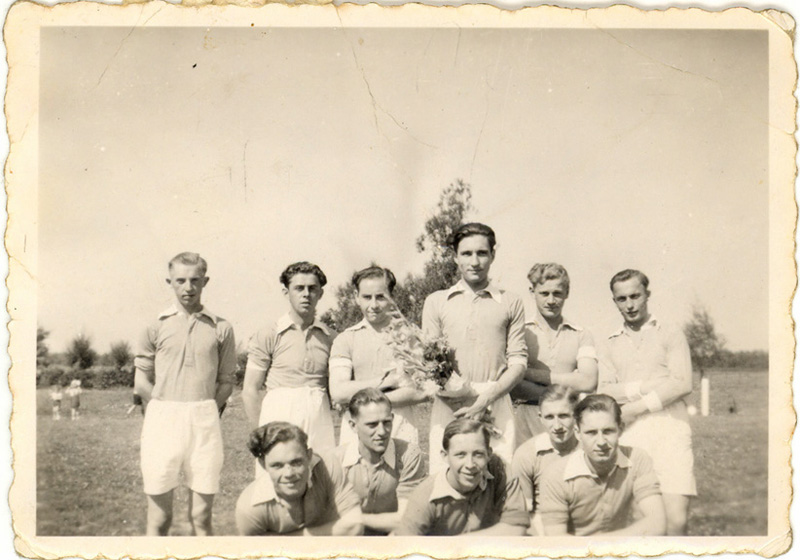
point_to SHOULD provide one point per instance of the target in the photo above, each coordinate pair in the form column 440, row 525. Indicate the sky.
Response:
column 597, row 149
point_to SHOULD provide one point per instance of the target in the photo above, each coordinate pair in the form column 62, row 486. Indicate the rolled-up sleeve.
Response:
column 259, row 350
column 553, row 502
column 586, row 348
column 679, row 365
column 431, row 315
column 514, row 511
column 227, row 353
column 145, row 354
column 412, row 472
column 516, row 348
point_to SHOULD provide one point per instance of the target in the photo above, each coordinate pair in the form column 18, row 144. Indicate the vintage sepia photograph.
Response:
column 521, row 278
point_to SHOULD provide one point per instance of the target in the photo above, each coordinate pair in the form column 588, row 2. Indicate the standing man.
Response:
column 382, row 469
column 361, row 358
column 593, row 491
column 292, row 357
column 184, row 375
column 486, row 327
column 559, row 351
column 647, row 367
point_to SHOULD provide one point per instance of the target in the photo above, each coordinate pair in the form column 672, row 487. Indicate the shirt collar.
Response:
column 543, row 443
column 578, row 464
column 264, row 490
column 285, row 323
column 462, row 287
column 443, row 489
column 173, row 310
column 651, row 323
column 533, row 317
column 362, row 324
column 351, row 455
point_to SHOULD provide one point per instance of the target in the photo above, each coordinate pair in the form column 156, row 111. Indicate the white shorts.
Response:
column 306, row 407
column 402, row 428
column 181, row 437
column 668, row 441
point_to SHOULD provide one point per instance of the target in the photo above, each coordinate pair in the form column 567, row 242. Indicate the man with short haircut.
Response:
column 486, row 327
column 559, row 351
column 557, row 405
column 602, row 488
column 382, row 469
column 291, row 355
column 361, row 357
column 647, row 367
column 474, row 494
column 184, row 375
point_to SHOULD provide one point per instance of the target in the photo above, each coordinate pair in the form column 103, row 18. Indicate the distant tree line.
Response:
column 708, row 350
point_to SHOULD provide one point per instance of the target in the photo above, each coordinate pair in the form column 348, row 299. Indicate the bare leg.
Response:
column 677, row 509
column 159, row 514
column 200, row 513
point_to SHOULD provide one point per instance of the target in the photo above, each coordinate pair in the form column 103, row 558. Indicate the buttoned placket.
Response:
column 605, row 507
column 308, row 359
column 188, row 348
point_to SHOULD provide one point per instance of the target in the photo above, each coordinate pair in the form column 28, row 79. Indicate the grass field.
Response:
column 88, row 479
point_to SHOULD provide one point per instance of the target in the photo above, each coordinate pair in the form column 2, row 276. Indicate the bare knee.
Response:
column 201, row 507
column 159, row 514
column 677, row 510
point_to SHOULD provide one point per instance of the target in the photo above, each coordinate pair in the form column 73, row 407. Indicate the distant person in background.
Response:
column 556, row 408
column 559, row 351
column 485, row 326
column 602, row 488
column 361, row 358
column 74, row 395
column 137, row 401
column 300, row 494
column 474, row 494
column 647, row 368
column 56, row 395
column 184, row 375
column 291, row 355
column 382, row 469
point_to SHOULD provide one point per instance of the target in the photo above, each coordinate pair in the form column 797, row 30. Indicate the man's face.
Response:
column 630, row 298
column 187, row 281
column 303, row 294
column 373, row 426
column 550, row 296
column 466, row 458
column 474, row 258
column 599, row 434
column 374, row 301
column 288, row 465
column 558, row 420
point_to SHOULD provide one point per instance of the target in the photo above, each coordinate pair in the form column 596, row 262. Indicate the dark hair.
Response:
column 302, row 267
column 468, row 230
column 542, row 272
column 365, row 397
column 560, row 393
column 375, row 272
column 464, row 426
column 627, row 274
column 598, row 403
column 265, row 437
column 190, row 259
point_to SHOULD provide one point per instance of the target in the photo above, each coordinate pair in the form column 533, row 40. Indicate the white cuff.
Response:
column 653, row 402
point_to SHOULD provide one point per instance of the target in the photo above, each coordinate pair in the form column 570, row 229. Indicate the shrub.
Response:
column 53, row 374
column 104, row 377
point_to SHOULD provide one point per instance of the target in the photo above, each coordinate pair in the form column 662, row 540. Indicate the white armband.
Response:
column 633, row 390
column 653, row 402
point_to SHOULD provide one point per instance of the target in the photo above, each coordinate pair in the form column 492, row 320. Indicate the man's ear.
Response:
column 321, row 292
column 168, row 281
column 444, row 453
column 352, row 423
column 205, row 280
column 285, row 291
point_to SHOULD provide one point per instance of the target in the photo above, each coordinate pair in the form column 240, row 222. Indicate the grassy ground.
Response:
column 88, row 479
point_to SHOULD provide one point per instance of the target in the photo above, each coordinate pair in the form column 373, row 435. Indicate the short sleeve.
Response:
column 522, row 468
column 586, row 348
column 516, row 347
column 250, row 519
column 227, row 353
column 344, row 495
column 645, row 483
column 418, row 517
column 431, row 315
column 342, row 351
column 510, row 499
column 553, row 501
column 411, row 472
column 260, row 349
column 145, row 352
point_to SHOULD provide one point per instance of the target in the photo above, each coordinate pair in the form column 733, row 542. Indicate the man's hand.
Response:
column 631, row 411
column 393, row 378
column 476, row 410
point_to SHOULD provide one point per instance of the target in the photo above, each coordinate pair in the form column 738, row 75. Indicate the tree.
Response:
column 705, row 344
column 80, row 353
column 120, row 355
column 42, row 351
column 439, row 272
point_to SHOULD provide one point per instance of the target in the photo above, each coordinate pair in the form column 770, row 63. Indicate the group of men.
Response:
column 552, row 462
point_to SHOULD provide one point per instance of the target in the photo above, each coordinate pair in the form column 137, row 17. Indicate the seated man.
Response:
column 556, row 408
column 300, row 495
column 382, row 469
column 594, row 490
column 473, row 494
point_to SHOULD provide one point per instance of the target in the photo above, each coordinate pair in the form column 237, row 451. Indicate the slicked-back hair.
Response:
column 464, row 426
column 265, row 437
column 302, row 267
column 364, row 397
column 190, row 259
column 627, row 274
column 598, row 403
column 470, row 229
column 375, row 272
column 560, row 393
column 542, row 272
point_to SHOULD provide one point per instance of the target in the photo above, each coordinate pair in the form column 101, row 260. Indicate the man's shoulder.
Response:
column 406, row 450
